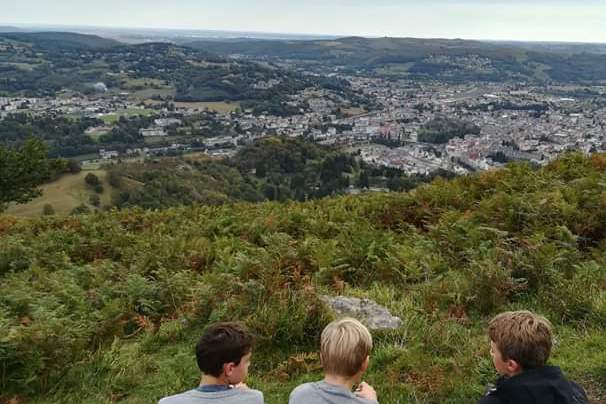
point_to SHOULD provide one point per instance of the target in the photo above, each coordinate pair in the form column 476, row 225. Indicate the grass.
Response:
column 221, row 107
column 107, row 307
column 63, row 195
column 136, row 83
column 97, row 134
column 394, row 69
column 112, row 118
column 151, row 92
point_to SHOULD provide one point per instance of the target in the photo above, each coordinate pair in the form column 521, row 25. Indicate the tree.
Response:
column 48, row 209
column 363, row 180
column 95, row 200
column 22, row 171
column 74, row 166
column 92, row 180
column 114, row 179
column 80, row 210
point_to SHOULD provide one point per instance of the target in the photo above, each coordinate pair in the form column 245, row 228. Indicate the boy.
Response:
column 223, row 354
column 344, row 352
column 520, row 344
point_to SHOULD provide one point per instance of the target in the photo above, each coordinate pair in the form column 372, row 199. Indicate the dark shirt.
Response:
column 544, row 385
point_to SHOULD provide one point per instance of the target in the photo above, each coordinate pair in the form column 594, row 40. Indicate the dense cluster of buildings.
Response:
column 534, row 123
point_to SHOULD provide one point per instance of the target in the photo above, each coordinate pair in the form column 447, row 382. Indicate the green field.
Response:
column 63, row 195
column 397, row 69
column 148, row 93
column 112, row 118
column 220, row 107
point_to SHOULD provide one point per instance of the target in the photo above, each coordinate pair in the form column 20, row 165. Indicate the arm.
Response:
column 366, row 391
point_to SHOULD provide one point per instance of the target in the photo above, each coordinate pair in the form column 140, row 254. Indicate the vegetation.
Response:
column 63, row 193
column 22, row 171
column 36, row 65
column 448, row 60
column 64, row 136
column 277, row 169
column 108, row 306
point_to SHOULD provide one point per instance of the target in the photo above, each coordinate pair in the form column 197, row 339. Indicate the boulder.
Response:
column 373, row 315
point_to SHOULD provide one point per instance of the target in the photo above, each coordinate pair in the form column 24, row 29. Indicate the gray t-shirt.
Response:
column 324, row 393
column 232, row 396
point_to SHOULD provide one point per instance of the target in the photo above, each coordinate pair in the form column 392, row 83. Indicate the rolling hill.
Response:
column 447, row 59
column 61, row 40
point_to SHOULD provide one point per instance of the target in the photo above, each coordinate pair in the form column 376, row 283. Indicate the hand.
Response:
column 242, row 386
column 366, row 391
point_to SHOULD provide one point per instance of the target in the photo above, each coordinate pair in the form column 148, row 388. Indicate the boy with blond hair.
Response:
column 345, row 353
column 520, row 344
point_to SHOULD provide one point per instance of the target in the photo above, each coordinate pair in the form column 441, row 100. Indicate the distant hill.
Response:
column 447, row 59
column 41, row 64
column 9, row 29
column 61, row 40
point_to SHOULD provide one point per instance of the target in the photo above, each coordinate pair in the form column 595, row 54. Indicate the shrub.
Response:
column 48, row 209
column 91, row 179
column 95, row 200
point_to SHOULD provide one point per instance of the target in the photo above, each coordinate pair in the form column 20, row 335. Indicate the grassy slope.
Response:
column 64, row 195
column 120, row 298
column 220, row 107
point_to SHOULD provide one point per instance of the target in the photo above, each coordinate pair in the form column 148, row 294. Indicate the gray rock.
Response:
column 370, row 313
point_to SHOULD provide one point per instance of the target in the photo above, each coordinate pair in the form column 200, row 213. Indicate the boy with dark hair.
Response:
column 223, row 355
column 520, row 344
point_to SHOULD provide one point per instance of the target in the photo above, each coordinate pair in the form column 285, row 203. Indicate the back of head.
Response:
column 222, row 343
column 345, row 345
column 523, row 337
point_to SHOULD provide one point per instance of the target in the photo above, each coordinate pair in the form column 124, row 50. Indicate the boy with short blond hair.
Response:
column 520, row 345
column 223, row 354
column 345, row 348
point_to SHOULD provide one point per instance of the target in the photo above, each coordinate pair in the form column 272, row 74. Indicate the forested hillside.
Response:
column 107, row 307
column 273, row 168
column 450, row 60
column 46, row 64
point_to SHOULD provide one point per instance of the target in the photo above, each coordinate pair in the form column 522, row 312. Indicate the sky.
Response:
column 527, row 20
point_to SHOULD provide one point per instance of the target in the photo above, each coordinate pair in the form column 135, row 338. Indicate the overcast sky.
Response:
column 555, row 20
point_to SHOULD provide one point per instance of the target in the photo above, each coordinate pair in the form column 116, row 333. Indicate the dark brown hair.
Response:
column 223, row 343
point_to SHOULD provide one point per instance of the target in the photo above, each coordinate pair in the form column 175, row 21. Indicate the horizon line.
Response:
column 292, row 34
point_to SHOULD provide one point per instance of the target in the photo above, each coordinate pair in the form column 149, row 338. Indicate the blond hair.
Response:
column 345, row 345
column 522, row 336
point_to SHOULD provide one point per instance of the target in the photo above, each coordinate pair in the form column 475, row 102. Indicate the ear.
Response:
column 228, row 368
column 365, row 364
column 513, row 367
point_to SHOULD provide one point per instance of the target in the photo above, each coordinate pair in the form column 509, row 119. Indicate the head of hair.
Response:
column 522, row 336
column 345, row 345
column 223, row 343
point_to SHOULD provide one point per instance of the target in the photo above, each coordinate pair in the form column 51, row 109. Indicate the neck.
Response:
column 346, row 382
column 212, row 380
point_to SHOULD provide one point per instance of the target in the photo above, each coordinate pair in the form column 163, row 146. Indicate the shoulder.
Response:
column 182, row 398
column 301, row 391
column 250, row 396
